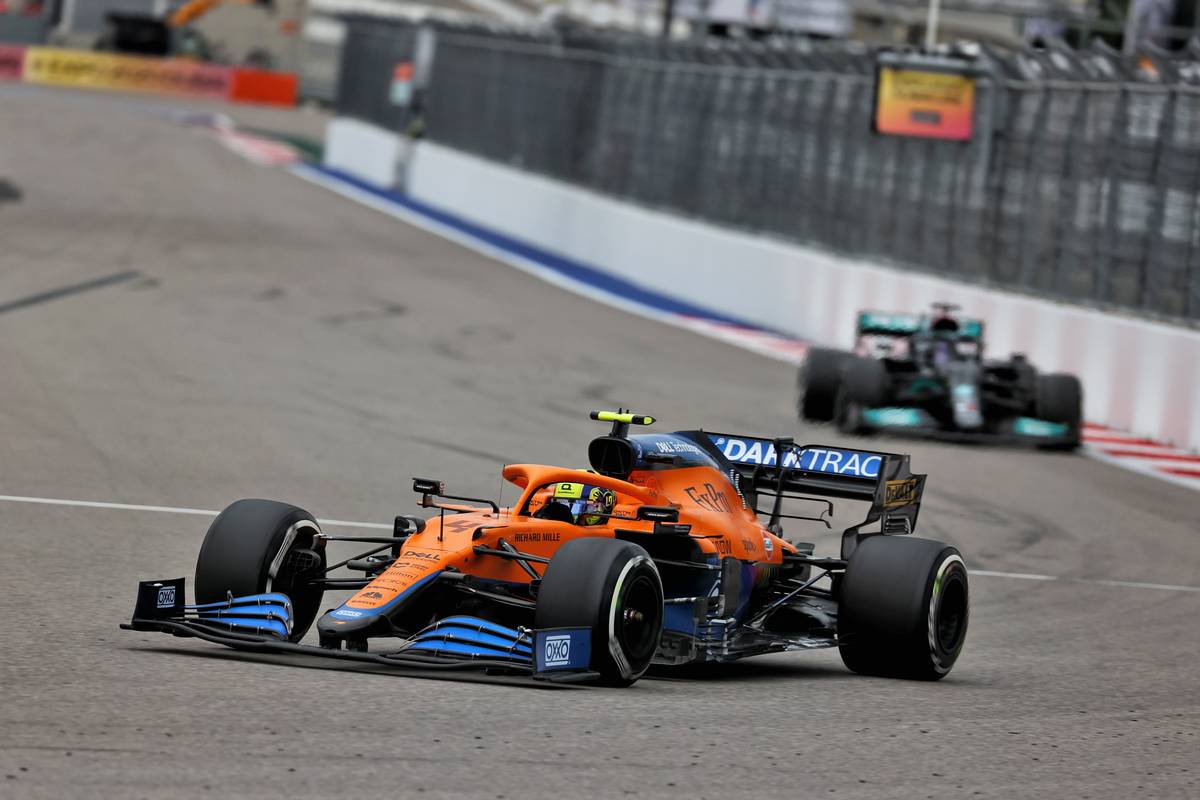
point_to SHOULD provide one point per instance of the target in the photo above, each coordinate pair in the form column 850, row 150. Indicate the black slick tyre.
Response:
column 903, row 608
column 257, row 546
column 864, row 385
column 613, row 588
column 819, row 379
column 1060, row 400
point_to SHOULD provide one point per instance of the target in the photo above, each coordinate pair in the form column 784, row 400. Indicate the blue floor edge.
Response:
column 568, row 268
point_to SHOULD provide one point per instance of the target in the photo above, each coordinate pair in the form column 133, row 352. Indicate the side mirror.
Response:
column 427, row 486
column 405, row 525
column 658, row 514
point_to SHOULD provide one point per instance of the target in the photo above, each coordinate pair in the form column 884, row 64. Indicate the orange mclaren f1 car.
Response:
column 669, row 550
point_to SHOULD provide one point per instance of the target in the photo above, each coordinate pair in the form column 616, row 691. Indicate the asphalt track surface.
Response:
column 181, row 328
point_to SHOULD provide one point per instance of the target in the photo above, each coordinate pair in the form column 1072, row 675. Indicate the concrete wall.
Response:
column 1138, row 376
column 364, row 151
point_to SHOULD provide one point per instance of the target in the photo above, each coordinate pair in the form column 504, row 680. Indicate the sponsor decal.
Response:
column 166, row 597
column 347, row 613
column 422, row 556
column 109, row 71
column 1027, row 426
column 672, row 446
column 900, row 493
column 813, row 459
column 893, row 323
column 966, row 397
column 735, row 479
column 894, row 416
column 371, row 595
column 710, row 498
column 921, row 102
column 399, row 575
column 562, row 648
column 537, row 537
column 768, row 545
column 557, row 650
column 92, row 70
column 649, row 481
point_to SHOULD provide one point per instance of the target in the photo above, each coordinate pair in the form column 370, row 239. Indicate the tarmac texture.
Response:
column 181, row 328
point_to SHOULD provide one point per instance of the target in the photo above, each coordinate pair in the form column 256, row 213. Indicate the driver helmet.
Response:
column 586, row 503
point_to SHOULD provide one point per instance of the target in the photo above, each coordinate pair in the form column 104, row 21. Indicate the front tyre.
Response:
column 903, row 608
column 864, row 386
column 1060, row 399
column 818, row 382
column 258, row 546
column 613, row 588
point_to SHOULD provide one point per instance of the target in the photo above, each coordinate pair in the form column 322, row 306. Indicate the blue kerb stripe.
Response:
column 567, row 267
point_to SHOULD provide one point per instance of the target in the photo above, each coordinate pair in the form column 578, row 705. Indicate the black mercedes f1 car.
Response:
column 926, row 374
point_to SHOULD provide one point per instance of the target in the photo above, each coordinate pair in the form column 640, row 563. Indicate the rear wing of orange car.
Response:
column 810, row 471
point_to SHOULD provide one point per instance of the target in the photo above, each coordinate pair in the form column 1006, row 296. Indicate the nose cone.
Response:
column 343, row 623
column 380, row 602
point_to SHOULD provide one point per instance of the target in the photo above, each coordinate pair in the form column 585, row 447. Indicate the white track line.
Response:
column 1170, row 587
column 198, row 512
column 202, row 512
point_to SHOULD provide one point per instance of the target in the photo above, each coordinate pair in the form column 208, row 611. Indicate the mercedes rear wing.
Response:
column 815, row 471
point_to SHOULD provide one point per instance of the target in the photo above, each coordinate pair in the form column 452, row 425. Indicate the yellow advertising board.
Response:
column 933, row 104
column 83, row 69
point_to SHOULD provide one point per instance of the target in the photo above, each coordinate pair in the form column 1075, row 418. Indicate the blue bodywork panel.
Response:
column 1038, row 428
column 255, row 614
column 559, row 649
column 827, row 460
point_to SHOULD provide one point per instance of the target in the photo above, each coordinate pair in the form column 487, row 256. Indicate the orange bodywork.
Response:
column 721, row 525
column 195, row 9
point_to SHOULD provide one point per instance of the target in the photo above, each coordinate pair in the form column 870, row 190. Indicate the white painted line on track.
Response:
column 1024, row 576
column 198, row 512
column 203, row 512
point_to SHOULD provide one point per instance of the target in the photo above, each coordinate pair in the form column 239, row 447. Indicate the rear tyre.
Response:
column 1060, row 399
column 257, row 546
column 864, row 385
column 613, row 588
column 819, row 380
column 903, row 608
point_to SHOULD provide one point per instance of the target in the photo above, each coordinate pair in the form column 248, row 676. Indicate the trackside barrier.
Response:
column 12, row 62
column 369, row 153
column 87, row 70
column 1138, row 376
column 263, row 87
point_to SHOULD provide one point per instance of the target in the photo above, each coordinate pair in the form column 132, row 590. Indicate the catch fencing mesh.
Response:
column 1078, row 190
